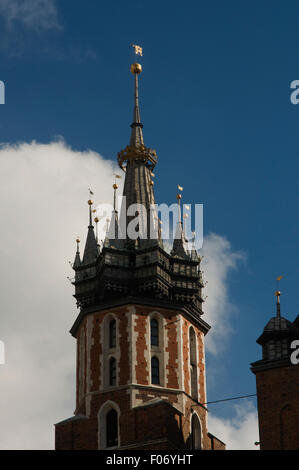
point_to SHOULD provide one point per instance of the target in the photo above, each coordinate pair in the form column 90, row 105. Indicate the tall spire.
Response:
column 136, row 134
column 138, row 162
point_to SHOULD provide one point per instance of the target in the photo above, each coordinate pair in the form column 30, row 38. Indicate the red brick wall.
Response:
column 172, row 350
column 278, row 408
column 137, row 424
column 142, row 366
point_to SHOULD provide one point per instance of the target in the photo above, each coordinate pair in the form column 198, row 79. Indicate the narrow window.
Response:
column 111, row 429
column 195, row 433
column 154, row 332
column 112, row 371
column 112, row 334
column 155, row 371
column 193, row 364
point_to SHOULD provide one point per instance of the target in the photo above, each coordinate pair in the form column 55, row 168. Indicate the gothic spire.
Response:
column 179, row 243
column 138, row 162
column 77, row 261
column 91, row 249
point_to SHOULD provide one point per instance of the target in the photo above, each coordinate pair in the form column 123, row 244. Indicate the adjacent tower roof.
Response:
column 275, row 341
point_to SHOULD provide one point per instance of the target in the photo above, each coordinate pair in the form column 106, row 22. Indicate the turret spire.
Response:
column 77, row 261
column 178, row 248
column 91, row 249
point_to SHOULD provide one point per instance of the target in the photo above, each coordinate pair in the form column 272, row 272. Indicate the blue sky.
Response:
column 215, row 104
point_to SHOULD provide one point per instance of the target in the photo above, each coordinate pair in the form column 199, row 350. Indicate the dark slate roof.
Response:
column 139, row 190
column 277, row 324
column 77, row 261
column 179, row 244
column 91, row 247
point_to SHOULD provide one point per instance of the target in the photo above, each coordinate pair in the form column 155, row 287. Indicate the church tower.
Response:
column 140, row 330
column 277, row 384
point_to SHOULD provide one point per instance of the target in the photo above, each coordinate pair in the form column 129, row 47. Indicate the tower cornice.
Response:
column 137, row 301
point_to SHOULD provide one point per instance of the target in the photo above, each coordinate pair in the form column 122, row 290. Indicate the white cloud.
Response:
column 43, row 192
column 32, row 14
column 218, row 262
column 239, row 432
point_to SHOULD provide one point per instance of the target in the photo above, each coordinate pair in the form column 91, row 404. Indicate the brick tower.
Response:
column 140, row 332
column 277, row 384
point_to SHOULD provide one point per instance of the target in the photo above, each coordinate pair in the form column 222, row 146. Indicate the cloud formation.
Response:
column 43, row 192
column 218, row 262
column 239, row 432
column 32, row 14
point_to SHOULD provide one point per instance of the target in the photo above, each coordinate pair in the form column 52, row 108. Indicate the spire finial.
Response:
column 78, row 244
column 179, row 197
column 277, row 294
column 107, row 224
column 178, row 248
column 96, row 219
column 90, row 203
column 115, row 187
column 136, row 134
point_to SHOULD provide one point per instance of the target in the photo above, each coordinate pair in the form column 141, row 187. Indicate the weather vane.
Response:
column 138, row 49
column 277, row 293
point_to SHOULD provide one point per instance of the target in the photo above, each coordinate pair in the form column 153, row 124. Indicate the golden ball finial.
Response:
column 277, row 293
column 136, row 68
column 179, row 196
column 115, row 186
column 78, row 240
column 151, row 183
column 96, row 220
column 89, row 202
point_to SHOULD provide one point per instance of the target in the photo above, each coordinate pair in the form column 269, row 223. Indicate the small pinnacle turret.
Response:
column 179, row 243
column 77, row 261
column 91, row 249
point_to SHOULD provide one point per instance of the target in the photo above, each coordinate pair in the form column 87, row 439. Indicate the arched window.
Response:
column 108, row 425
column 154, row 332
column 112, row 371
column 193, row 364
column 195, row 441
column 111, row 428
column 112, row 334
column 155, row 371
